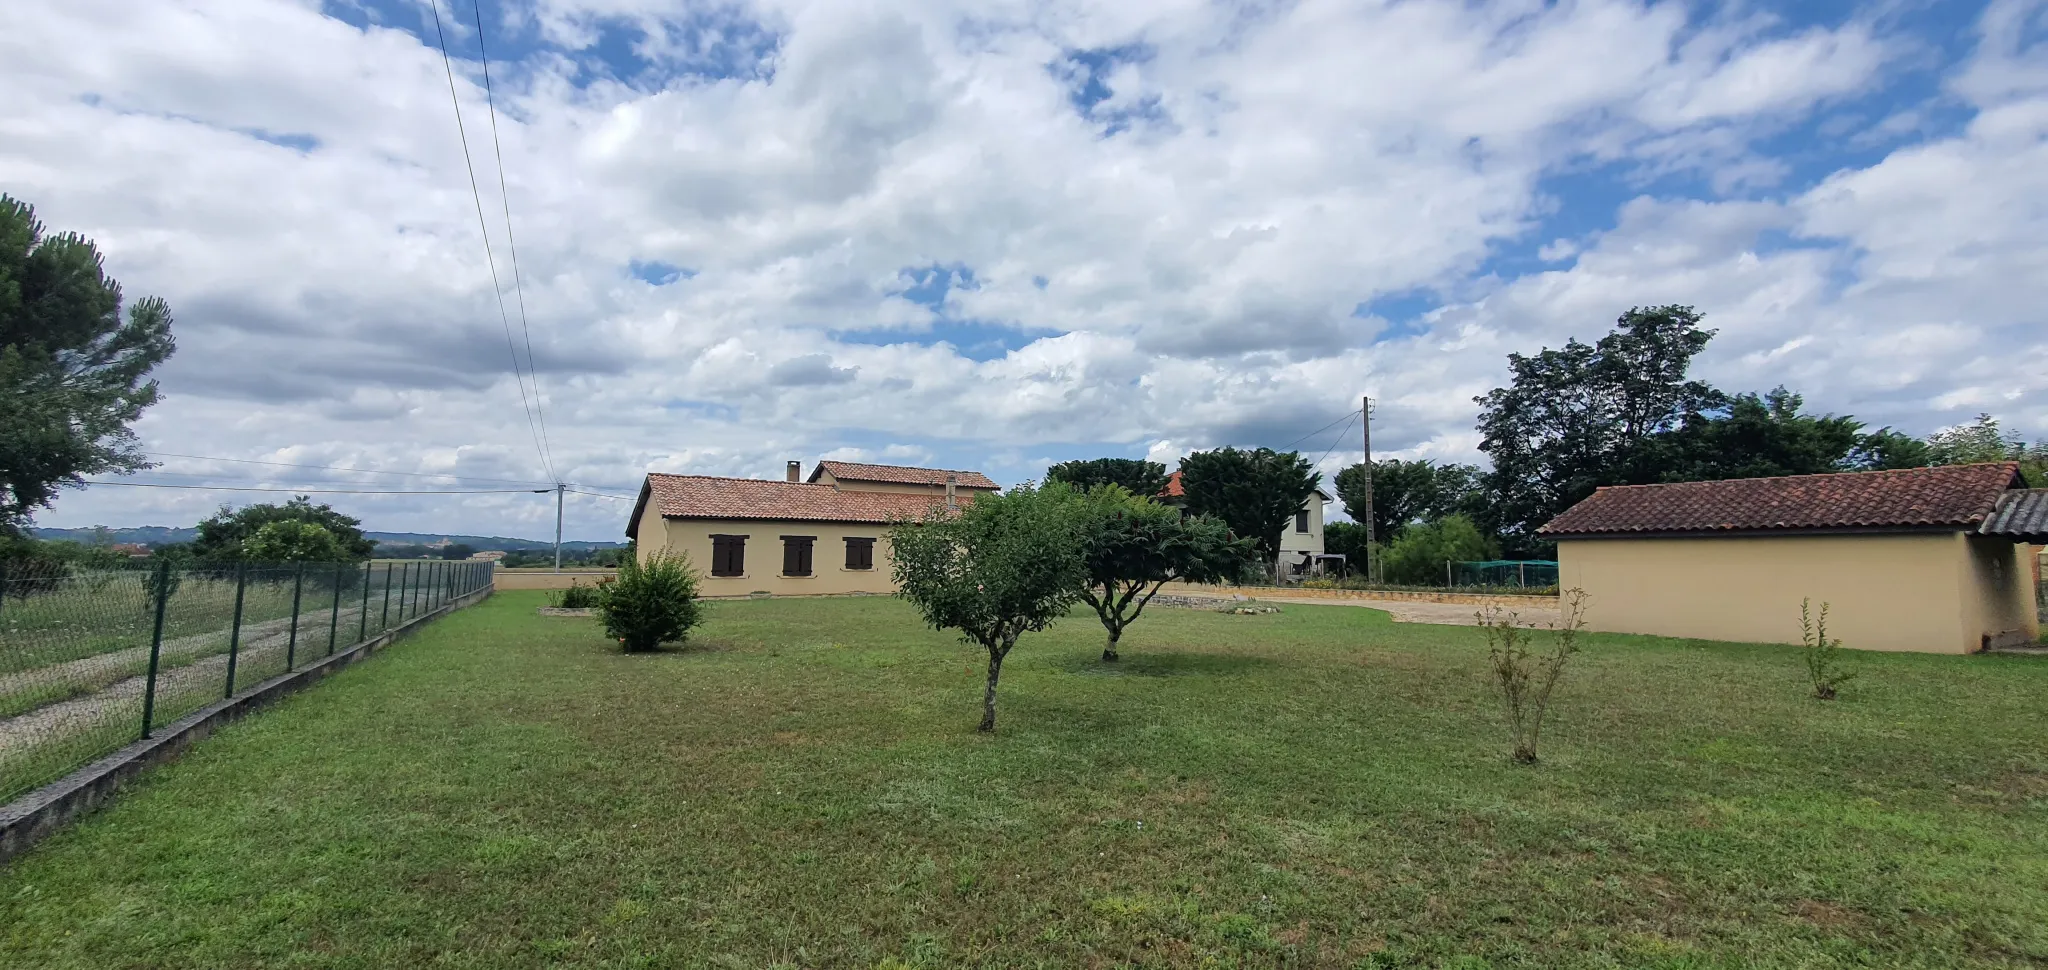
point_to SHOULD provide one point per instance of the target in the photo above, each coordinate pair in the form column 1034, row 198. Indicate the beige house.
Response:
column 828, row 535
column 1923, row 559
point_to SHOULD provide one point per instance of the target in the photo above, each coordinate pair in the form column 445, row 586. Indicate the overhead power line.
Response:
column 511, row 244
column 1322, row 429
column 497, row 289
column 619, row 498
column 320, row 492
column 1340, row 438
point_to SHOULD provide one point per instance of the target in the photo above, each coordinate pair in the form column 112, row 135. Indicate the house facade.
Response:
column 828, row 535
column 1924, row 559
column 1304, row 534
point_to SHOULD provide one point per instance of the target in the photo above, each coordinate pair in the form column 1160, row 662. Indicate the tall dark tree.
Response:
column 1133, row 545
column 73, row 373
column 1255, row 493
column 1885, row 448
column 1755, row 436
column 1139, row 477
column 1579, row 417
column 1407, row 492
column 223, row 536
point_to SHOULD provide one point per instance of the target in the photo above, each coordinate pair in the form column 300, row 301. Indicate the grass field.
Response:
column 1321, row 788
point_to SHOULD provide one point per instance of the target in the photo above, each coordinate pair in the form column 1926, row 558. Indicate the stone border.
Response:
column 39, row 814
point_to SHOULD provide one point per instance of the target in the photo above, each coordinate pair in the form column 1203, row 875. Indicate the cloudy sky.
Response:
column 997, row 233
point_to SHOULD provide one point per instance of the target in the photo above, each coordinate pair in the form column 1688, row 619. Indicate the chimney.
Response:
column 796, row 471
column 952, row 500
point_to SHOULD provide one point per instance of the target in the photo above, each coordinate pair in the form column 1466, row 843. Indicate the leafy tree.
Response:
column 1255, row 493
column 1885, row 448
column 72, row 373
column 1003, row 566
column 1142, row 478
column 1756, row 437
column 650, row 603
column 1979, row 441
column 1573, row 419
column 291, row 540
column 221, row 537
column 1347, row 539
column 1404, row 492
column 457, row 550
column 1133, row 545
column 1418, row 556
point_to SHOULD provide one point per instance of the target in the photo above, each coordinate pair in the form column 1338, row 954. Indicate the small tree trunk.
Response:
column 988, row 699
column 1109, row 651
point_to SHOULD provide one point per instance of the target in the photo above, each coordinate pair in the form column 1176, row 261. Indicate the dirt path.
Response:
column 1408, row 611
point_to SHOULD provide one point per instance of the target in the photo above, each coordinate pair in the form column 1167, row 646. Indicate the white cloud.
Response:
column 1270, row 169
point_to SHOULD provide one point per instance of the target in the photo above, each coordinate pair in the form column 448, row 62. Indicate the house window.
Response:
column 796, row 555
column 1300, row 521
column 728, row 555
column 860, row 553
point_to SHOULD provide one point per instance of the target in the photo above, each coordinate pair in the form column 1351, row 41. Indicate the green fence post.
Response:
column 384, row 622
column 235, row 632
column 363, row 617
column 291, row 646
column 161, row 588
column 334, row 618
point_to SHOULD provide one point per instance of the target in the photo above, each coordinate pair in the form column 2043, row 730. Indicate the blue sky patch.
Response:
column 656, row 273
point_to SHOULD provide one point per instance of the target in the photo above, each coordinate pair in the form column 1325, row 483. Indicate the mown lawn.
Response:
column 803, row 787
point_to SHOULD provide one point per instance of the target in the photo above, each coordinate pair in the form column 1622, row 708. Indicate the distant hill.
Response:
column 142, row 535
column 157, row 535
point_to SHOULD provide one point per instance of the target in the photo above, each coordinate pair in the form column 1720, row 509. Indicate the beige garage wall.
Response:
column 763, row 559
column 1886, row 592
column 2003, row 581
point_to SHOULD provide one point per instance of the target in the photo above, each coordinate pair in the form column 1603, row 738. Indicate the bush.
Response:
column 650, row 603
column 1524, row 677
column 1823, row 655
column 576, row 597
column 1418, row 556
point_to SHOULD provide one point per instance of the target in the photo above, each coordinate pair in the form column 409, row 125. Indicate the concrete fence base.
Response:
column 35, row 816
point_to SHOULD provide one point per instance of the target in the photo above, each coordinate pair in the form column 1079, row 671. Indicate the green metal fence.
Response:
column 1502, row 572
column 92, row 659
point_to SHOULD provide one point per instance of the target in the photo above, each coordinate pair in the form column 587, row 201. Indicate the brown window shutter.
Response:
column 1301, row 521
column 860, row 553
column 728, row 555
column 796, row 555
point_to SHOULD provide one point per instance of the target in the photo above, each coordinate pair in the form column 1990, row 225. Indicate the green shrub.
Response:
column 1524, row 677
column 1823, row 655
column 650, row 603
column 576, row 597
column 1418, row 556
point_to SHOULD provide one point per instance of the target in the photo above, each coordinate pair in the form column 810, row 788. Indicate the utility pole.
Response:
column 558, row 526
column 1372, row 574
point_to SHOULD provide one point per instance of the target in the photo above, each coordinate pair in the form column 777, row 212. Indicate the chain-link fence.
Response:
column 94, row 658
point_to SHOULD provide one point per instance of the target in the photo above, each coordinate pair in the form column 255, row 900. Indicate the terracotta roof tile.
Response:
column 1958, row 496
column 1173, row 489
column 705, row 497
column 852, row 471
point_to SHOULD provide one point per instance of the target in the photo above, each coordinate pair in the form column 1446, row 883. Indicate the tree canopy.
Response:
column 1406, row 492
column 291, row 540
column 1255, row 493
column 1002, row 566
column 1142, row 478
column 1132, row 546
column 224, row 535
column 73, row 373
